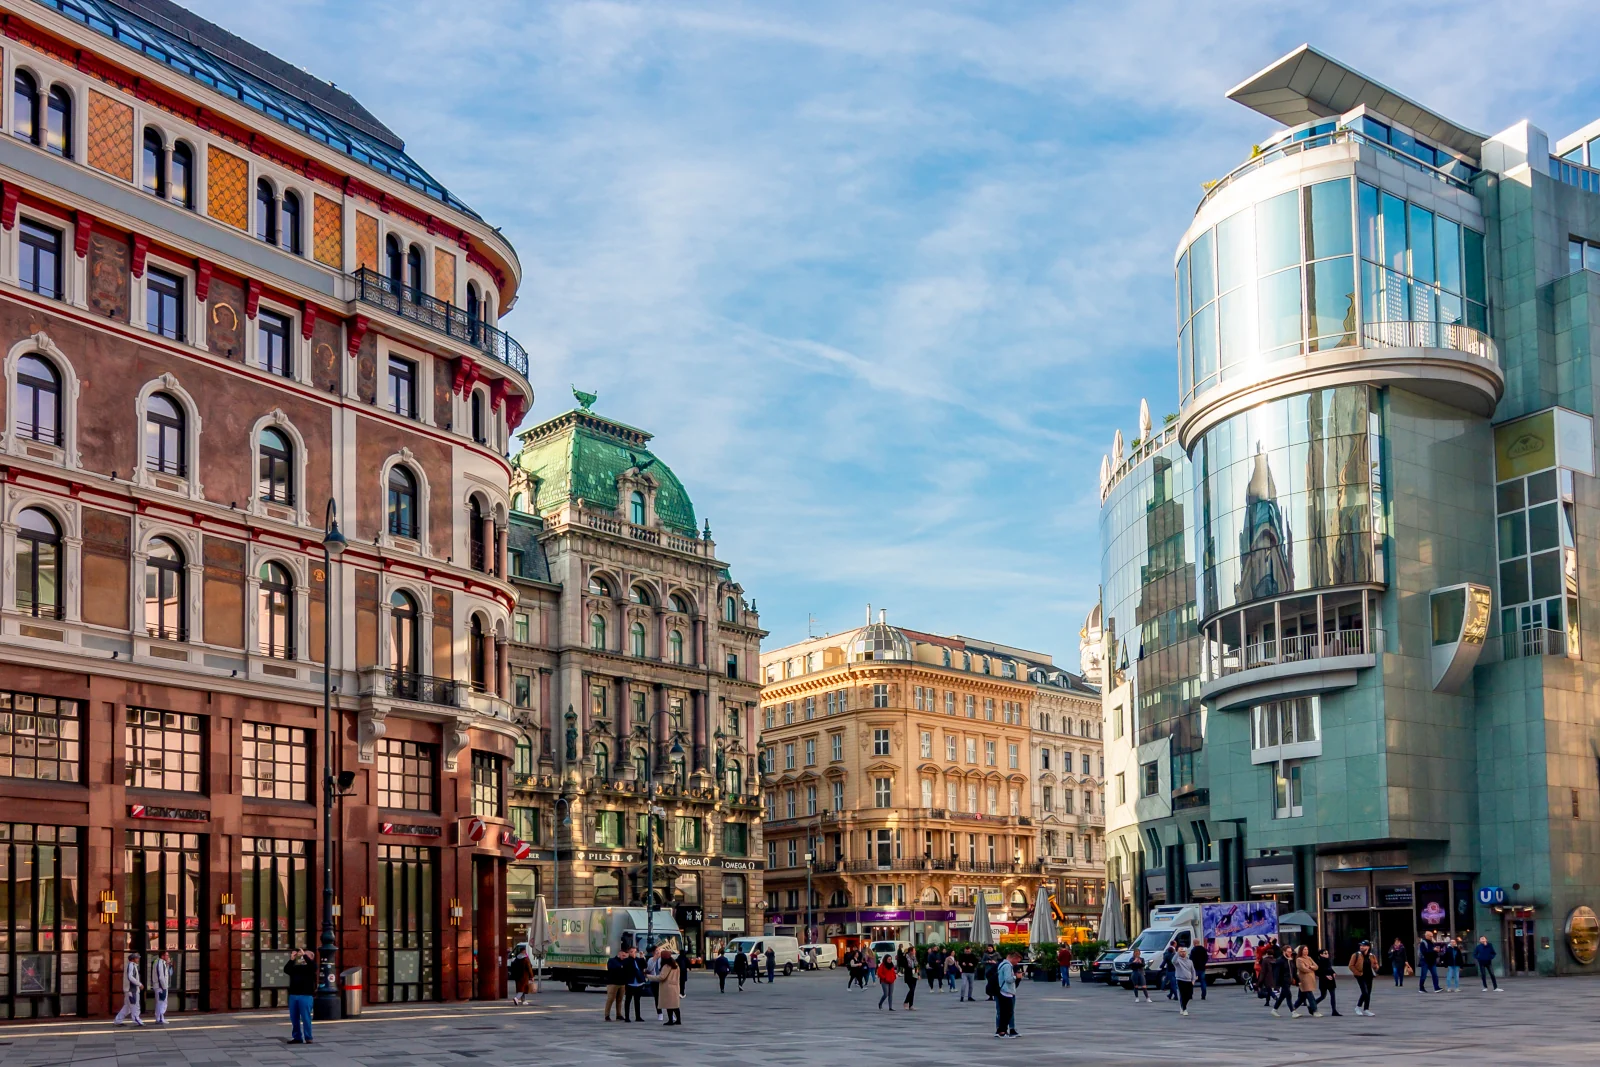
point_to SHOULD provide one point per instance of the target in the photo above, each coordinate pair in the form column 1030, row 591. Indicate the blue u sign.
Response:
column 1491, row 894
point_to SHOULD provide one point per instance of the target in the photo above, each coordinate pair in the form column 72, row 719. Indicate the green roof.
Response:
column 578, row 455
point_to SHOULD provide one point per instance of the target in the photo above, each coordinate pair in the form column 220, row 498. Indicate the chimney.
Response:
column 883, row 614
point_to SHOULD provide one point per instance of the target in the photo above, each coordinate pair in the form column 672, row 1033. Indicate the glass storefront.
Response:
column 522, row 887
column 405, row 930
column 275, row 915
column 41, row 921
column 163, row 902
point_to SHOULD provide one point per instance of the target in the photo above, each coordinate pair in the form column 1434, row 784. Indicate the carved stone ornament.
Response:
column 456, row 738
column 369, row 728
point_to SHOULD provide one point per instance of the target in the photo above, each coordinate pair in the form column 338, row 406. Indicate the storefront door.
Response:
column 489, row 981
column 165, row 890
column 275, row 908
column 41, row 963
column 406, row 934
column 1520, row 944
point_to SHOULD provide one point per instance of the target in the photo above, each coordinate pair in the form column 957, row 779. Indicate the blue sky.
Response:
column 883, row 278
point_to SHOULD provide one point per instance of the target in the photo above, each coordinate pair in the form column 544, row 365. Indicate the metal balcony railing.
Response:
column 1305, row 142
column 1524, row 644
column 422, row 688
column 1268, row 651
column 1450, row 335
column 397, row 298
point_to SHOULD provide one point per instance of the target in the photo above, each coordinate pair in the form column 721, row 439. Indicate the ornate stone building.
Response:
column 899, row 761
column 229, row 302
column 1069, row 791
column 635, row 657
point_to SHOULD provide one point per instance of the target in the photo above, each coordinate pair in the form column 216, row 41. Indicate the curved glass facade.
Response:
column 1147, row 572
column 1304, row 270
column 1290, row 497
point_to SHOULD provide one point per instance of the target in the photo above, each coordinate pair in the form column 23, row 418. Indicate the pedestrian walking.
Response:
column 652, row 969
column 521, row 974
column 934, row 968
column 772, row 963
column 668, row 982
column 1283, row 979
column 1166, row 970
column 1064, row 961
column 720, row 967
column 132, row 991
column 1427, row 962
column 1136, row 976
column 953, row 970
column 302, row 971
column 1398, row 962
column 908, row 968
column 1364, row 965
column 1326, row 983
column 1200, row 957
column 637, row 984
column 741, row 968
column 1305, row 977
column 1483, row 952
column 886, row 976
column 1183, row 978
column 1005, row 1000
column 989, row 963
column 160, row 981
column 1454, row 957
column 617, row 970
column 1263, row 972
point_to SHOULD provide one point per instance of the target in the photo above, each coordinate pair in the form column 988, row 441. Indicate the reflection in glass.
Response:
column 1328, row 229
column 1202, row 272
column 1278, row 232
column 1331, row 303
column 1280, row 313
column 1235, row 252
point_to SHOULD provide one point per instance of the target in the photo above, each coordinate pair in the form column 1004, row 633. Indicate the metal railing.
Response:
column 422, row 688
column 926, row 864
column 1450, row 335
column 1268, row 651
column 400, row 299
column 1293, row 147
column 1524, row 644
column 1570, row 173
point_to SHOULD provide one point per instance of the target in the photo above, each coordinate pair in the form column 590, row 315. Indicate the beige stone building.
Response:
column 1069, row 792
column 900, row 762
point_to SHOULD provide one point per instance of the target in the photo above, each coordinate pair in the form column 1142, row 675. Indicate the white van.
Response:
column 893, row 948
column 785, row 951
column 815, row 957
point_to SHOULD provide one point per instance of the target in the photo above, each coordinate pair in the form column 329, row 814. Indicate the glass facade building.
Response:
column 1347, row 619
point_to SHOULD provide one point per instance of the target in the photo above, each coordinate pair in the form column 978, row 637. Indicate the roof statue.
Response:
column 1144, row 420
column 1091, row 647
column 585, row 400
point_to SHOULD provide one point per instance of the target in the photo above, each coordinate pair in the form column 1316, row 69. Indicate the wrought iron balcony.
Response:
column 422, row 688
column 397, row 298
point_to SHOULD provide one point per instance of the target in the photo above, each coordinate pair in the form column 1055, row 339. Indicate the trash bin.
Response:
column 350, row 990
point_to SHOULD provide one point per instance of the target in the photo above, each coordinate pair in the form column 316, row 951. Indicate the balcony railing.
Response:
column 1265, row 652
column 1525, row 644
column 397, row 298
column 1451, row 335
column 422, row 688
column 1286, row 148
column 964, row 866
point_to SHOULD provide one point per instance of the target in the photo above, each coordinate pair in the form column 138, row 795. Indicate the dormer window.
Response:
column 636, row 506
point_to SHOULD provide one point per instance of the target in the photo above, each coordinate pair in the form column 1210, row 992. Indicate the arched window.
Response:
column 165, row 603
column 155, row 163
column 599, row 587
column 597, row 631
column 25, row 107
column 475, row 540
column 402, row 503
column 275, row 612
column 391, row 248
column 180, row 175
column 38, row 400
column 291, row 223
column 476, row 407
column 675, row 646
column 38, row 564
column 636, row 505
column 474, row 311
column 602, row 761
column 636, row 639
column 730, row 610
column 735, row 778
column 164, row 436
column 479, row 655
column 276, row 482
column 403, row 652
column 266, row 213
column 414, row 273
column 638, row 594
column 58, row 123
column 678, row 604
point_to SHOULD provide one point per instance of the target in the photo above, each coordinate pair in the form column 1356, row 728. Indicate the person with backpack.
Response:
column 1005, row 995
column 1364, row 965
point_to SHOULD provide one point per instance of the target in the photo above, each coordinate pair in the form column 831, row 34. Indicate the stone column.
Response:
column 658, row 731
column 699, row 698
column 623, row 726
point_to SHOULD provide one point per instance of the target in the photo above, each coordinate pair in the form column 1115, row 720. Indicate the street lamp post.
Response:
column 326, row 1005
column 810, row 917
column 642, row 732
column 561, row 820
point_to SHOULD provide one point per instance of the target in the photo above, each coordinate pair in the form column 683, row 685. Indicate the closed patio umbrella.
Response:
column 539, row 932
column 1042, row 931
column 1111, row 931
column 981, row 931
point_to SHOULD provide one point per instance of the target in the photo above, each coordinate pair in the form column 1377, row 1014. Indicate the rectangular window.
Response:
column 927, row 792
column 735, row 839
column 39, row 259
column 788, row 756
column 163, row 750
column 163, row 303
column 403, row 387
column 832, row 706
column 769, row 715
column 988, row 709
column 844, row 701
column 988, row 753
column 1086, row 763
column 608, row 829
column 1011, row 756
column 1286, row 789
column 1116, row 721
column 272, row 343
column 880, row 742
column 1047, row 798
column 991, row 796
column 772, row 857
column 838, row 747
column 811, row 708
column 881, row 792
column 838, row 796
column 524, row 823
column 792, row 848
column 1066, row 801
column 1122, row 788
column 811, row 800
column 811, row 752
column 788, row 713
column 488, row 794
column 927, row 744
column 788, row 804
column 950, row 748
column 972, row 750
column 972, row 707
column 407, row 772
column 733, row 665
column 686, row 833
column 916, row 698
column 519, row 627
column 880, row 695
column 952, row 796
column 522, row 690
column 274, row 762
column 40, row 738
column 949, row 703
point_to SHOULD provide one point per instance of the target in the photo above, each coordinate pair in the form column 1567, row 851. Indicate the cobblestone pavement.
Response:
column 812, row 1019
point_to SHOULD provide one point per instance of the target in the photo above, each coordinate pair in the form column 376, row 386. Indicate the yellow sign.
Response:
column 1583, row 934
column 1525, row 446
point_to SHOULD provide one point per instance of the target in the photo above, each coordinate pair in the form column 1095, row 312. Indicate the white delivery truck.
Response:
column 785, row 951
column 585, row 938
column 1232, row 932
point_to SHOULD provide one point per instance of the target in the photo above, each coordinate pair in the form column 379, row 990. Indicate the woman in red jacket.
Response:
column 886, row 977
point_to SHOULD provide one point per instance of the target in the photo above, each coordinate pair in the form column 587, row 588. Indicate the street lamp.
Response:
column 561, row 820
column 326, row 1005
column 642, row 732
column 810, row 917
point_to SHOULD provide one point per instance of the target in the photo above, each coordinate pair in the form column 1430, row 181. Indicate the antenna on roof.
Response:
column 869, row 613
column 811, row 625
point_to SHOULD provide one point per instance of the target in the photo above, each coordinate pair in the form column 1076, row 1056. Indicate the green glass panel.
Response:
column 1328, row 228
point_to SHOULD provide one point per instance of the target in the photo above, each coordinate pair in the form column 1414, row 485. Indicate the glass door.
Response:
column 41, row 918
column 275, row 910
column 164, row 888
column 406, row 936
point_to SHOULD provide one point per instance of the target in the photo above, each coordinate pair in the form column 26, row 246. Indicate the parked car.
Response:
column 1102, row 968
column 813, row 957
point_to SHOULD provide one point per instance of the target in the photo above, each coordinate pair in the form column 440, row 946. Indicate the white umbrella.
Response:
column 1042, row 931
column 1111, row 930
column 539, row 932
column 981, row 930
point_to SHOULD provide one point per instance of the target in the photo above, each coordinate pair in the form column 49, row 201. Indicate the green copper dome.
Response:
column 578, row 455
